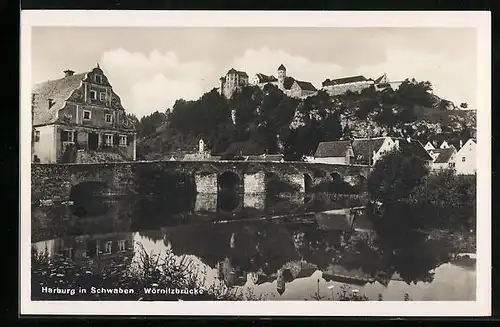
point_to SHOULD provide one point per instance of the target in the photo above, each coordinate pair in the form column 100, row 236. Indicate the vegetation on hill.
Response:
column 266, row 120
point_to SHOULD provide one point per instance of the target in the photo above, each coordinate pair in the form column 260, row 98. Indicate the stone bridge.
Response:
column 56, row 181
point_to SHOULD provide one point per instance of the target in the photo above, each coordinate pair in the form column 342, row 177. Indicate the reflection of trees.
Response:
column 409, row 252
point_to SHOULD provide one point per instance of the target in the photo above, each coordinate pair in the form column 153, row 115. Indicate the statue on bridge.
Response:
column 201, row 146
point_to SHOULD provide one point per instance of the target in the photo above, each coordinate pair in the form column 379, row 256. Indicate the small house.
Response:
column 334, row 152
column 368, row 151
column 415, row 148
column 443, row 158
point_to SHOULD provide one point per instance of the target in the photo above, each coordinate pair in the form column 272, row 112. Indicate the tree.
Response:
column 394, row 176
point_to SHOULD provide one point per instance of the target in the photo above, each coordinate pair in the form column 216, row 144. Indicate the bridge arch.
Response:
column 229, row 181
column 229, row 202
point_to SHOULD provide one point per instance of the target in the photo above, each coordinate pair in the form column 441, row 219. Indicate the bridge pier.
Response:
column 206, row 183
column 254, row 201
column 254, row 183
column 205, row 203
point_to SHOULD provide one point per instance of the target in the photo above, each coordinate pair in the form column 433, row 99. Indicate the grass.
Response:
column 150, row 272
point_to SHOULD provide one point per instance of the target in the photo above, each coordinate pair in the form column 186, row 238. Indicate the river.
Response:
column 298, row 247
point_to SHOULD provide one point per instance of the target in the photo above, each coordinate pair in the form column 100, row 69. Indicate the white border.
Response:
column 481, row 20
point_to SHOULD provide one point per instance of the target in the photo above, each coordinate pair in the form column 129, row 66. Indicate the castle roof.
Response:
column 381, row 79
column 345, row 80
column 288, row 82
column 332, row 149
column 51, row 96
column 307, row 86
column 233, row 71
column 281, row 67
column 266, row 78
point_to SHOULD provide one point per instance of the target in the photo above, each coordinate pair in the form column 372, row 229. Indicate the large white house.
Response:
column 465, row 159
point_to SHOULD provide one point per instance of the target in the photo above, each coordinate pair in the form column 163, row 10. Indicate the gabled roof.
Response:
column 363, row 148
column 233, row 71
column 281, row 67
column 306, row 86
column 288, row 82
column 266, row 78
column 444, row 155
column 332, row 149
column 380, row 79
column 345, row 80
column 59, row 91
column 414, row 147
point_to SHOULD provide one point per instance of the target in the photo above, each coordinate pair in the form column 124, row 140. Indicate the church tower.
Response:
column 281, row 76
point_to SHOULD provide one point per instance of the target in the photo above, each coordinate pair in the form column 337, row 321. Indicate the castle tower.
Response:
column 281, row 76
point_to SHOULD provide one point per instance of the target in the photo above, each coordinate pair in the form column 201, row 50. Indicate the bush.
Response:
column 394, row 176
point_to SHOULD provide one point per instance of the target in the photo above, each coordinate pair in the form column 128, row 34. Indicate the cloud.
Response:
column 266, row 61
column 452, row 77
column 153, row 82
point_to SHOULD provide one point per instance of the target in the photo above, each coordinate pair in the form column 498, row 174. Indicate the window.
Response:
column 108, row 139
column 102, row 96
column 93, row 95
column 121, row 246
column 123, row 140
column 36, row 136
column 67, row 136
column 98, row 79
column 86, row 114
column 108, row 118
column 463, row 159
column 108, row 246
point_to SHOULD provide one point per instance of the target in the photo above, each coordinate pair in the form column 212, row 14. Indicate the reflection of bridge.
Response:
column 57, row 180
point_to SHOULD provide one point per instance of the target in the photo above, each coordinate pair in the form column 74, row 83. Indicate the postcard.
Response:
column 255, row 163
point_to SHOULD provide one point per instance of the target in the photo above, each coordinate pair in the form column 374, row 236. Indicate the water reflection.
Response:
column 316, row 244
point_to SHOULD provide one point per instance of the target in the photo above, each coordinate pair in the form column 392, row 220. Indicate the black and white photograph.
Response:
column 284, row 159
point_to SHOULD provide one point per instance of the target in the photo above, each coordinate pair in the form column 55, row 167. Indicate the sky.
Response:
column 150, row 67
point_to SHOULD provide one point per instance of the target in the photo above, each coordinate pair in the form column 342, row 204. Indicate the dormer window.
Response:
column 93, row 95
column 102, row 96
column 98, row 79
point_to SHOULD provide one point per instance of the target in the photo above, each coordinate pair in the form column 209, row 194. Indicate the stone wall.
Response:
column 341, row 89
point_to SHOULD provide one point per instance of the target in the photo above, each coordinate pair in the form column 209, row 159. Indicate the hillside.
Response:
column 256, row 121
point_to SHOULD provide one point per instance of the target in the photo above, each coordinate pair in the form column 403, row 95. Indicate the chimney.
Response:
column 397, row 144
column 408, row 139
column 461, row 144
column 68, row 72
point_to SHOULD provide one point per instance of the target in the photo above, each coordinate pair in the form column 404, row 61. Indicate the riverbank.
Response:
column 153, row 278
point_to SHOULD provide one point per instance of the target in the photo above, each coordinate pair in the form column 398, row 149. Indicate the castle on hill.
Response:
column 235, row 79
